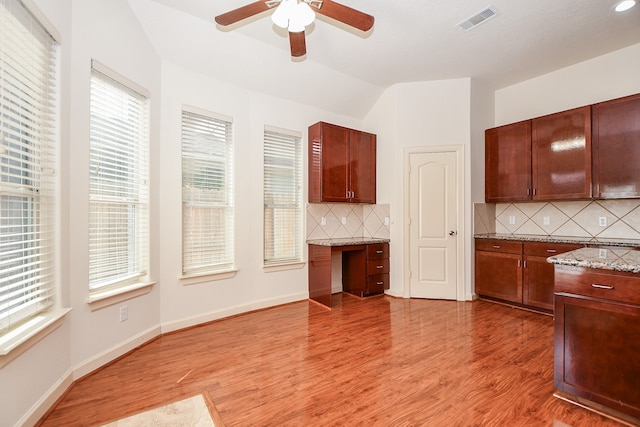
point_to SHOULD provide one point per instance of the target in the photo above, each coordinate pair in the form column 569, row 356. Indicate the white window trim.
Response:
column 22, row 338
column 105, row 297
column 195, row 279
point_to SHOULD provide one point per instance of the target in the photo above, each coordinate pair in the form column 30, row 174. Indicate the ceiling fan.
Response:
column 295, row 15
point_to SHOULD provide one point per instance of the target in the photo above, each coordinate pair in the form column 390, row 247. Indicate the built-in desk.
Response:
column 365, row 267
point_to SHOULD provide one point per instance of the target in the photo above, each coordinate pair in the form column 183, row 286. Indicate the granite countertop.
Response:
column 347, row 241
column 590, row 241
column 610, row 258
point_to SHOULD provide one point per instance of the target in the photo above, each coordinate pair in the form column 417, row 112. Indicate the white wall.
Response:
column 252, row 287
column 411, row 115
column 606, row 77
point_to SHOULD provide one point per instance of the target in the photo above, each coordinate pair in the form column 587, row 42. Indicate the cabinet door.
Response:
column 328, row 163
column 362, row 167
column 616, row 148
column 508, row 162
column 596, row 352
column 538, row 283
column 561, row 155
column 499, row 275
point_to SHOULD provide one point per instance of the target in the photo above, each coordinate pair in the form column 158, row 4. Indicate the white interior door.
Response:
column 433, row 234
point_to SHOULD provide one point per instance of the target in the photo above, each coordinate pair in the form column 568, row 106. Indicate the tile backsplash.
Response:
column 342, row 220
column 610, row 219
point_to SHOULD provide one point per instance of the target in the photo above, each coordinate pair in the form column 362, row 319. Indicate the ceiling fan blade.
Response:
column 346, row 15
column 241, row 13
column 298, row 44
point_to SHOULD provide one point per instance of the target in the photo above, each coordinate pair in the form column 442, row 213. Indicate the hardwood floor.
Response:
column 375, row 362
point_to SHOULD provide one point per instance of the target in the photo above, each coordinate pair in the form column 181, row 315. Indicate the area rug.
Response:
column 192, row 412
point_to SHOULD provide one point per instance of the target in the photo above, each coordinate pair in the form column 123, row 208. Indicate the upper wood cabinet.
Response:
column 561, row 155
column 508, row 162
column 616, row 148
column 546, row 158
column 342, row 164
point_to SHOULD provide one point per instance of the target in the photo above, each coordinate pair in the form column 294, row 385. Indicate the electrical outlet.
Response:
column 344, row 220
column 124, row 313
column 602, row 221
column 386, row 220
column 323, row 220
column 512, row 219
column 545, row 220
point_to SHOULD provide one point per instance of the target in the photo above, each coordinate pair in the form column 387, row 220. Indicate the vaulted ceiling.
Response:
column 411, row 41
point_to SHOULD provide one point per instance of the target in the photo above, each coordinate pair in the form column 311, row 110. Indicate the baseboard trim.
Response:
column 230, row 311
column 40, row 408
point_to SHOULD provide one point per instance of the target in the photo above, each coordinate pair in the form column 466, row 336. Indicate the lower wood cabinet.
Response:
column 596, row 346
column 517, row 272
column 366, row 273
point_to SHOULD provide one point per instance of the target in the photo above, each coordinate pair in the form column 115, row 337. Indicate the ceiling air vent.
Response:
column 478, row 18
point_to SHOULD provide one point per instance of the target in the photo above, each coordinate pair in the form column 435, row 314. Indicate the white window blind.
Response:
column 207, row 194
column 118, row 187
column 282, row 196
column 28, row 100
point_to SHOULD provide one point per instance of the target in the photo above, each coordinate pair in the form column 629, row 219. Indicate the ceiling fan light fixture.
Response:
column 293, row 15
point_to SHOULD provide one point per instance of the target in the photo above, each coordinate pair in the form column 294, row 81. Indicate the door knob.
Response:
column 452, row 233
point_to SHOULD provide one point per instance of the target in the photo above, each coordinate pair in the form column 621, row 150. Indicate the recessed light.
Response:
column 625, row 5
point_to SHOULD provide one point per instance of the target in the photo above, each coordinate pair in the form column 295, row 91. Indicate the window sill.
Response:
column 270, row 268
column 105, row 298
column 207, row 277
column 32, row 331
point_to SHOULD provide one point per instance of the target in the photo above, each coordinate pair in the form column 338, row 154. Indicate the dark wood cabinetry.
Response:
column 508, row 162
column 597, row 322
column 499, row 269
column 342, row 164
column 365, row 270
column 561, row 155
column 616, row 148
column 546, row 158
column 517, row 272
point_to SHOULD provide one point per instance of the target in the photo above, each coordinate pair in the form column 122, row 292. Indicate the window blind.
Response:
column 207, row 194
column 282, row 196
column 118, row 187
column 28, row 75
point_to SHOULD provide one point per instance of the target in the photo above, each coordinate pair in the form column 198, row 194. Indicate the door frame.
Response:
column 458, row 149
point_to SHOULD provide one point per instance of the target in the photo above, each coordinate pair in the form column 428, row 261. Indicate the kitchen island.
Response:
column 597, row 330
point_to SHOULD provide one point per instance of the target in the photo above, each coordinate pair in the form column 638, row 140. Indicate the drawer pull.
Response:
column 595, row 285
column 552, row 251
column 497, row 246
column 379, row 251
column 379, row 266
column 379, row 283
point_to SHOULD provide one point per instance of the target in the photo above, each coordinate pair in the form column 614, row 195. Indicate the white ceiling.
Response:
column 411, row 41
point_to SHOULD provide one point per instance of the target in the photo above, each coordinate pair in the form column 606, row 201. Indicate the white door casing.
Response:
column 433, row 223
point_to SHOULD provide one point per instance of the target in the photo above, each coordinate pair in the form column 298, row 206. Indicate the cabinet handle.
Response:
column 534, row 191
column 497, row 246
column 519, row 263
column 525, row 264
column 596, row 285
column 528, row 191
column 552, row 251
column 379, row 266
column 379, row 283
column 379, row 251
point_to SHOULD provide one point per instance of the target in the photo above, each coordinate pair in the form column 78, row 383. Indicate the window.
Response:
column 207, row 193
column 282, row 196
column 28, row 146
column 118, row 187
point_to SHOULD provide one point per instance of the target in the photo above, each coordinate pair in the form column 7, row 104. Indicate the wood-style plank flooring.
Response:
column 374, row 362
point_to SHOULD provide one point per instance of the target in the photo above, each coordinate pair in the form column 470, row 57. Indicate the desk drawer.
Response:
column 377, row 266
column 378, row 283
column 378, row 251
